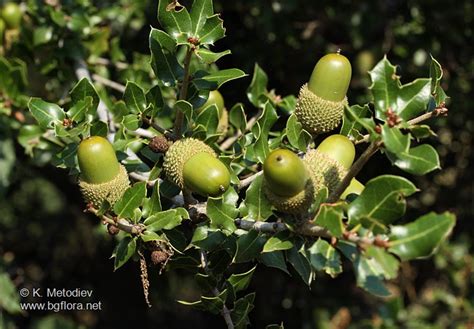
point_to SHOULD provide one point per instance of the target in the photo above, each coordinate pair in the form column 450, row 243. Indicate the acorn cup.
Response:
column 192, row 164
column 321, row 101
column 102, row 177
column 287, row 183
column 329, row 162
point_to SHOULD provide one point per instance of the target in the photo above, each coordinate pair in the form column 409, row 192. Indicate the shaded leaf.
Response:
column 297, row 136
column 124, row 250
column 324, row 257
column 258, row 86
column 242, row 280
column 301, row 264
column 274, row 259
column 222, row 211
column 418, row 160
column 258, row 207
column 134, row 97
column 249, row 246
column 330, row 217
column 280, row 241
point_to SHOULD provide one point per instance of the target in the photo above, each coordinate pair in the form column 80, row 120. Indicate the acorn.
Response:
column 12, row 15
column 215, row 98
column 102, row 176
column 329, row 162
column 287, row 183
column 321, row 101
column 192, row 164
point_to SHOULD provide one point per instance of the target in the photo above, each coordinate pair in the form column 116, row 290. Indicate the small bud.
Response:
column 159, row 144
column 112, row 229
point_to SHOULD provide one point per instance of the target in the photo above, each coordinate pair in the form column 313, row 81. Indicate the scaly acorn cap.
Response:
column 316, row 114
column 324, row 170
column 297, row 204
column 178, row 154
column 111, row 191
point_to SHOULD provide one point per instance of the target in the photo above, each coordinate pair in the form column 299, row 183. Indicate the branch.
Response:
column 158, row 128
column 355, row 169
column 183, row 93
column 109, row 83
column 441, row 110
column 248, row 180
column 105, row 61
column 231, row 140
column 119, row 223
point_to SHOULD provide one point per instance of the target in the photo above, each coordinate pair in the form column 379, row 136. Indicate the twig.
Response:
column 183, row 93
column 141, row 133
column 105, row 61
column 119, row 223
column 231, row 140
column 439, row 111
column 225, row 311
column 355, row 169
column 109, row 83
column 158, row 128
column 248, row 180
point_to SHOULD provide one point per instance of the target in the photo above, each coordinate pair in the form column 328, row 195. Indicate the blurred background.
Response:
column 47, row 241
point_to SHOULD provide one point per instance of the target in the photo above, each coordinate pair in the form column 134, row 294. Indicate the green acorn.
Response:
column 12, row 15
column 102, row 176
column 329, row 162
column 192, row 164
column 287, row 183
column 321, row 101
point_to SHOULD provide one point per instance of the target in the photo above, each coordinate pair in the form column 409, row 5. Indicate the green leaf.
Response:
column 352, row 127
column 257, row 204
column 241, row 310
column 155, row 98
column 258, row 86
column 134, row 98
column 208, row 119
column 352, row 115
column 436, row 74
column 324, row 257
column 261, row 131
column 381, row 203
column 249, row 246
column 80, row 109
column 216, row 79
column 46, row 114
column 83, row 89
column 393, row 139
column 124, row 250
column 211, row 31
column 163, row 59
column 131, row 122
column 99, row 128
column 210, row 304
column 9, row 300
column 222, row 211
column 279, row 241
column 242, row 280
column 300, row 263
column 237, row 117
column 148, row 236
column 274, row 259
column 152, row 205
column 407, row 100
column 131, row 199
column 421, row 131
column 419, row 160
column 369, row 273
column 330, row 217
column 297, row 136
column 420, row 238
column 387, row 261
column 200, row 11
column 166, row 220
column 210, row 57
column 175, row 19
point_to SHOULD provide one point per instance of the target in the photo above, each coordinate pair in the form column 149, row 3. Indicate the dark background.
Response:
column 47, row 241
